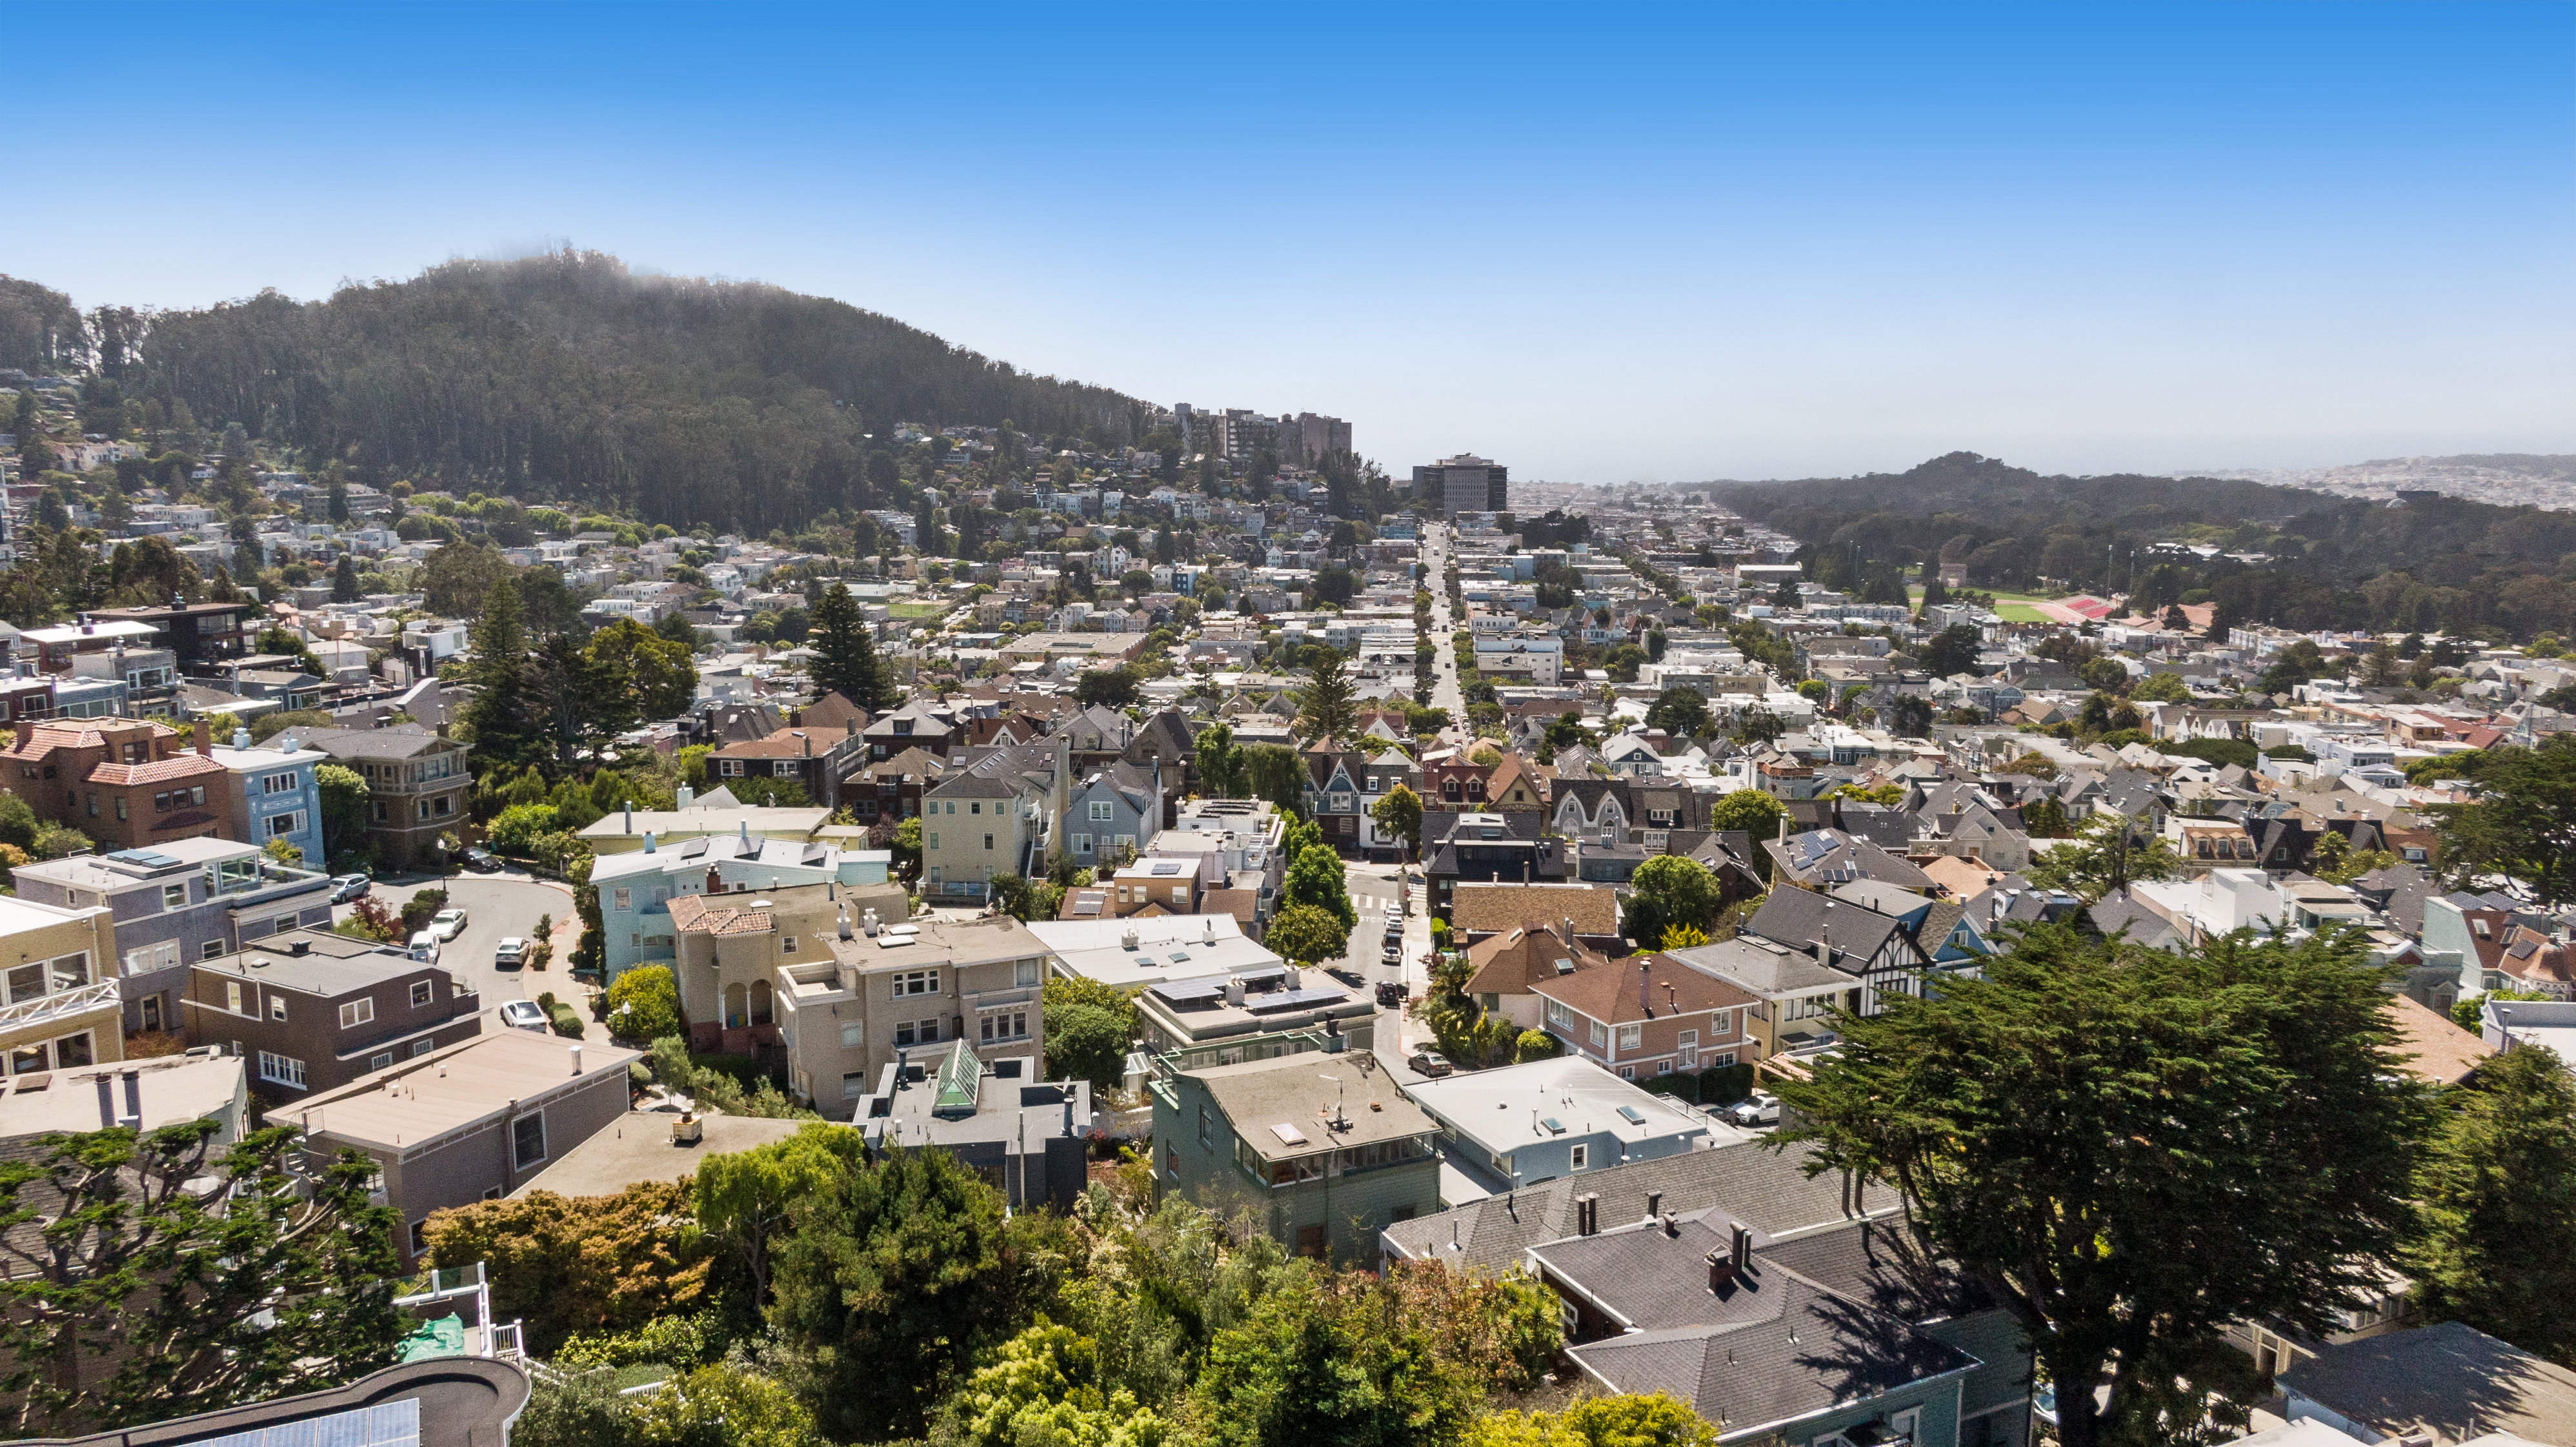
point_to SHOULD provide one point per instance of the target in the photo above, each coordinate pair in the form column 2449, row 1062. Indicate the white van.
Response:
column 424, row 947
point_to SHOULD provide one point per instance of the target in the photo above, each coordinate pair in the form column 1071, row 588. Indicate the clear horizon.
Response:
column 1596, row 244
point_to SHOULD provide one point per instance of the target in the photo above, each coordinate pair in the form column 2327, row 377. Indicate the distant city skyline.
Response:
column 1594, row 244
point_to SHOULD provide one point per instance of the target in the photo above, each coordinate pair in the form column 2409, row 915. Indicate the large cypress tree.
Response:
column 2131, row 1150
column 846, row 652
column 2499, row 1183
column 507, row 713
column 344, row 581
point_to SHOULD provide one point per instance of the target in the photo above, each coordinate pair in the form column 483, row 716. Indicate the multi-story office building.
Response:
column 189, row 900
column 1464, row 483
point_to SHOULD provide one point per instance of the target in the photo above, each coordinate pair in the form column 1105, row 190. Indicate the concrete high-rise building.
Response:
column 1464, row 483
column 1308, row 436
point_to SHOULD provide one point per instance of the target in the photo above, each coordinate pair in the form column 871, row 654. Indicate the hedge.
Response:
column 1717, row 1085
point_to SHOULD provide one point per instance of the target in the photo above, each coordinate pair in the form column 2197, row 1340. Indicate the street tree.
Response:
column 1220, row 762
column 1307, row 933
column 1276, row 773
column 1953, row 650
column 2132, row 1150
column 1315, row 877
column 1399, row 812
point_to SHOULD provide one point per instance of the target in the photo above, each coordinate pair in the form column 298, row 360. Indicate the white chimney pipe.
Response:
column 576, row 1057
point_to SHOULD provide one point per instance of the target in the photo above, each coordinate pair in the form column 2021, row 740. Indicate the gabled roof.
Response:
column 1511, row 962
column 1609, row 991
column 1802, row 919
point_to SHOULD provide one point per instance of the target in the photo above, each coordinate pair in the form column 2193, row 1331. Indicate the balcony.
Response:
column 60, row 1007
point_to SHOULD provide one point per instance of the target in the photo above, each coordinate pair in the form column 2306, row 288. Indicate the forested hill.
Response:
column 2322, row 561
column 566, row 378
column 1986, row 489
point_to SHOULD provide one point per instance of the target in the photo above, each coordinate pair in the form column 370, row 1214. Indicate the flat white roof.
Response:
column 1168, row 947
column 1510, row 1107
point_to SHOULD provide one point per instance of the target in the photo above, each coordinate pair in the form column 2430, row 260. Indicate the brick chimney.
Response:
column 205, row 739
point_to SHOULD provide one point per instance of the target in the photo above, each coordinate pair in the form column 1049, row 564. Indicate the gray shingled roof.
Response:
column 1766, row 1189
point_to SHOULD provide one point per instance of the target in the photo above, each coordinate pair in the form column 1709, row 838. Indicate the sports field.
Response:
column 2010, row 607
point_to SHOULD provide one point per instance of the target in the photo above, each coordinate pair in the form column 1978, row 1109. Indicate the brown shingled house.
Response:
column 126, row 783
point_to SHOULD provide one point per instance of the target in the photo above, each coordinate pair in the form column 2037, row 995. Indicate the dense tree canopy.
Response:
column 2131, row 1150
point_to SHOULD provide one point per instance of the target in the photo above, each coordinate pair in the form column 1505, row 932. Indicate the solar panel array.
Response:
column 1278, row 1000
column 386, row 1424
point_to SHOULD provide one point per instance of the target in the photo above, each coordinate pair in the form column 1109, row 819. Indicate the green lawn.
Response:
column 2010, row 607
column 917, row 610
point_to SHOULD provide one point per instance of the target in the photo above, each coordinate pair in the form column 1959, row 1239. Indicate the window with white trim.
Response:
column 915, row 982
column 356, row 1013
column 174, row 896
column 281, row 1070
column 1580, row 1156
column 854, row 1084
column 1632, row 1037
column 152, row 957
column 527, row 1141
column 854, row 1036
column 276, row 1006
column 1100, row 811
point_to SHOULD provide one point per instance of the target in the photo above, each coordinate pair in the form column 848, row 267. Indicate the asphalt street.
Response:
column 495, row 905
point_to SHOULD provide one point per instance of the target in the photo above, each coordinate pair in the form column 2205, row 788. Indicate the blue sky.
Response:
column 1595, row 242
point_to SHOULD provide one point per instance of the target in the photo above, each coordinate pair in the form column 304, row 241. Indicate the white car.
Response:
column 424, row 947
column 1759, row 1108
column 447, row 924
column 523, row 1015
column 512, row 953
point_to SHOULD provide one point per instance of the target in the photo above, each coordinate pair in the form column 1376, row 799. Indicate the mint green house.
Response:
column 1317, row 1147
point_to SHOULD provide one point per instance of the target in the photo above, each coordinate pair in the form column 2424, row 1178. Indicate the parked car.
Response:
column 1393, row 992
column 1431, row 1063
column 424, row 947
column 350, row 887
column 523, row 1015
column 1759, row 1108
column 447, row 924
column 482, row 860
column 512, row 953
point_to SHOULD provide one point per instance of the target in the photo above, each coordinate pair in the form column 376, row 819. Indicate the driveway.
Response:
column 496, row 905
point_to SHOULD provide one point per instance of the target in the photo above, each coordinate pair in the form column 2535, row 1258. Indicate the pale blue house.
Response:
column 636, row 890
column 275, row 792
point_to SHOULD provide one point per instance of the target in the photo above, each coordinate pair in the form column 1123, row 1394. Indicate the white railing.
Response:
column 44, row 1009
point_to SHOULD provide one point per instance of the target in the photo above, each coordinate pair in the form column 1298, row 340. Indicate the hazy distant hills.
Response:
column 2506, row 478
column 569, row 378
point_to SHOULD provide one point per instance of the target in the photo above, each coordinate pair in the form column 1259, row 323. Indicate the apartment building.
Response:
column 311, row 1010
column 636, row 890
column 417, row 785
column 830, row 991
column 126, row 783
column 189, row 900
column 61, row 1008
column 994, row 816
column 815, row 760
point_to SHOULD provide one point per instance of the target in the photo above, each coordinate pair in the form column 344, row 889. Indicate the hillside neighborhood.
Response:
column 1217, row 834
